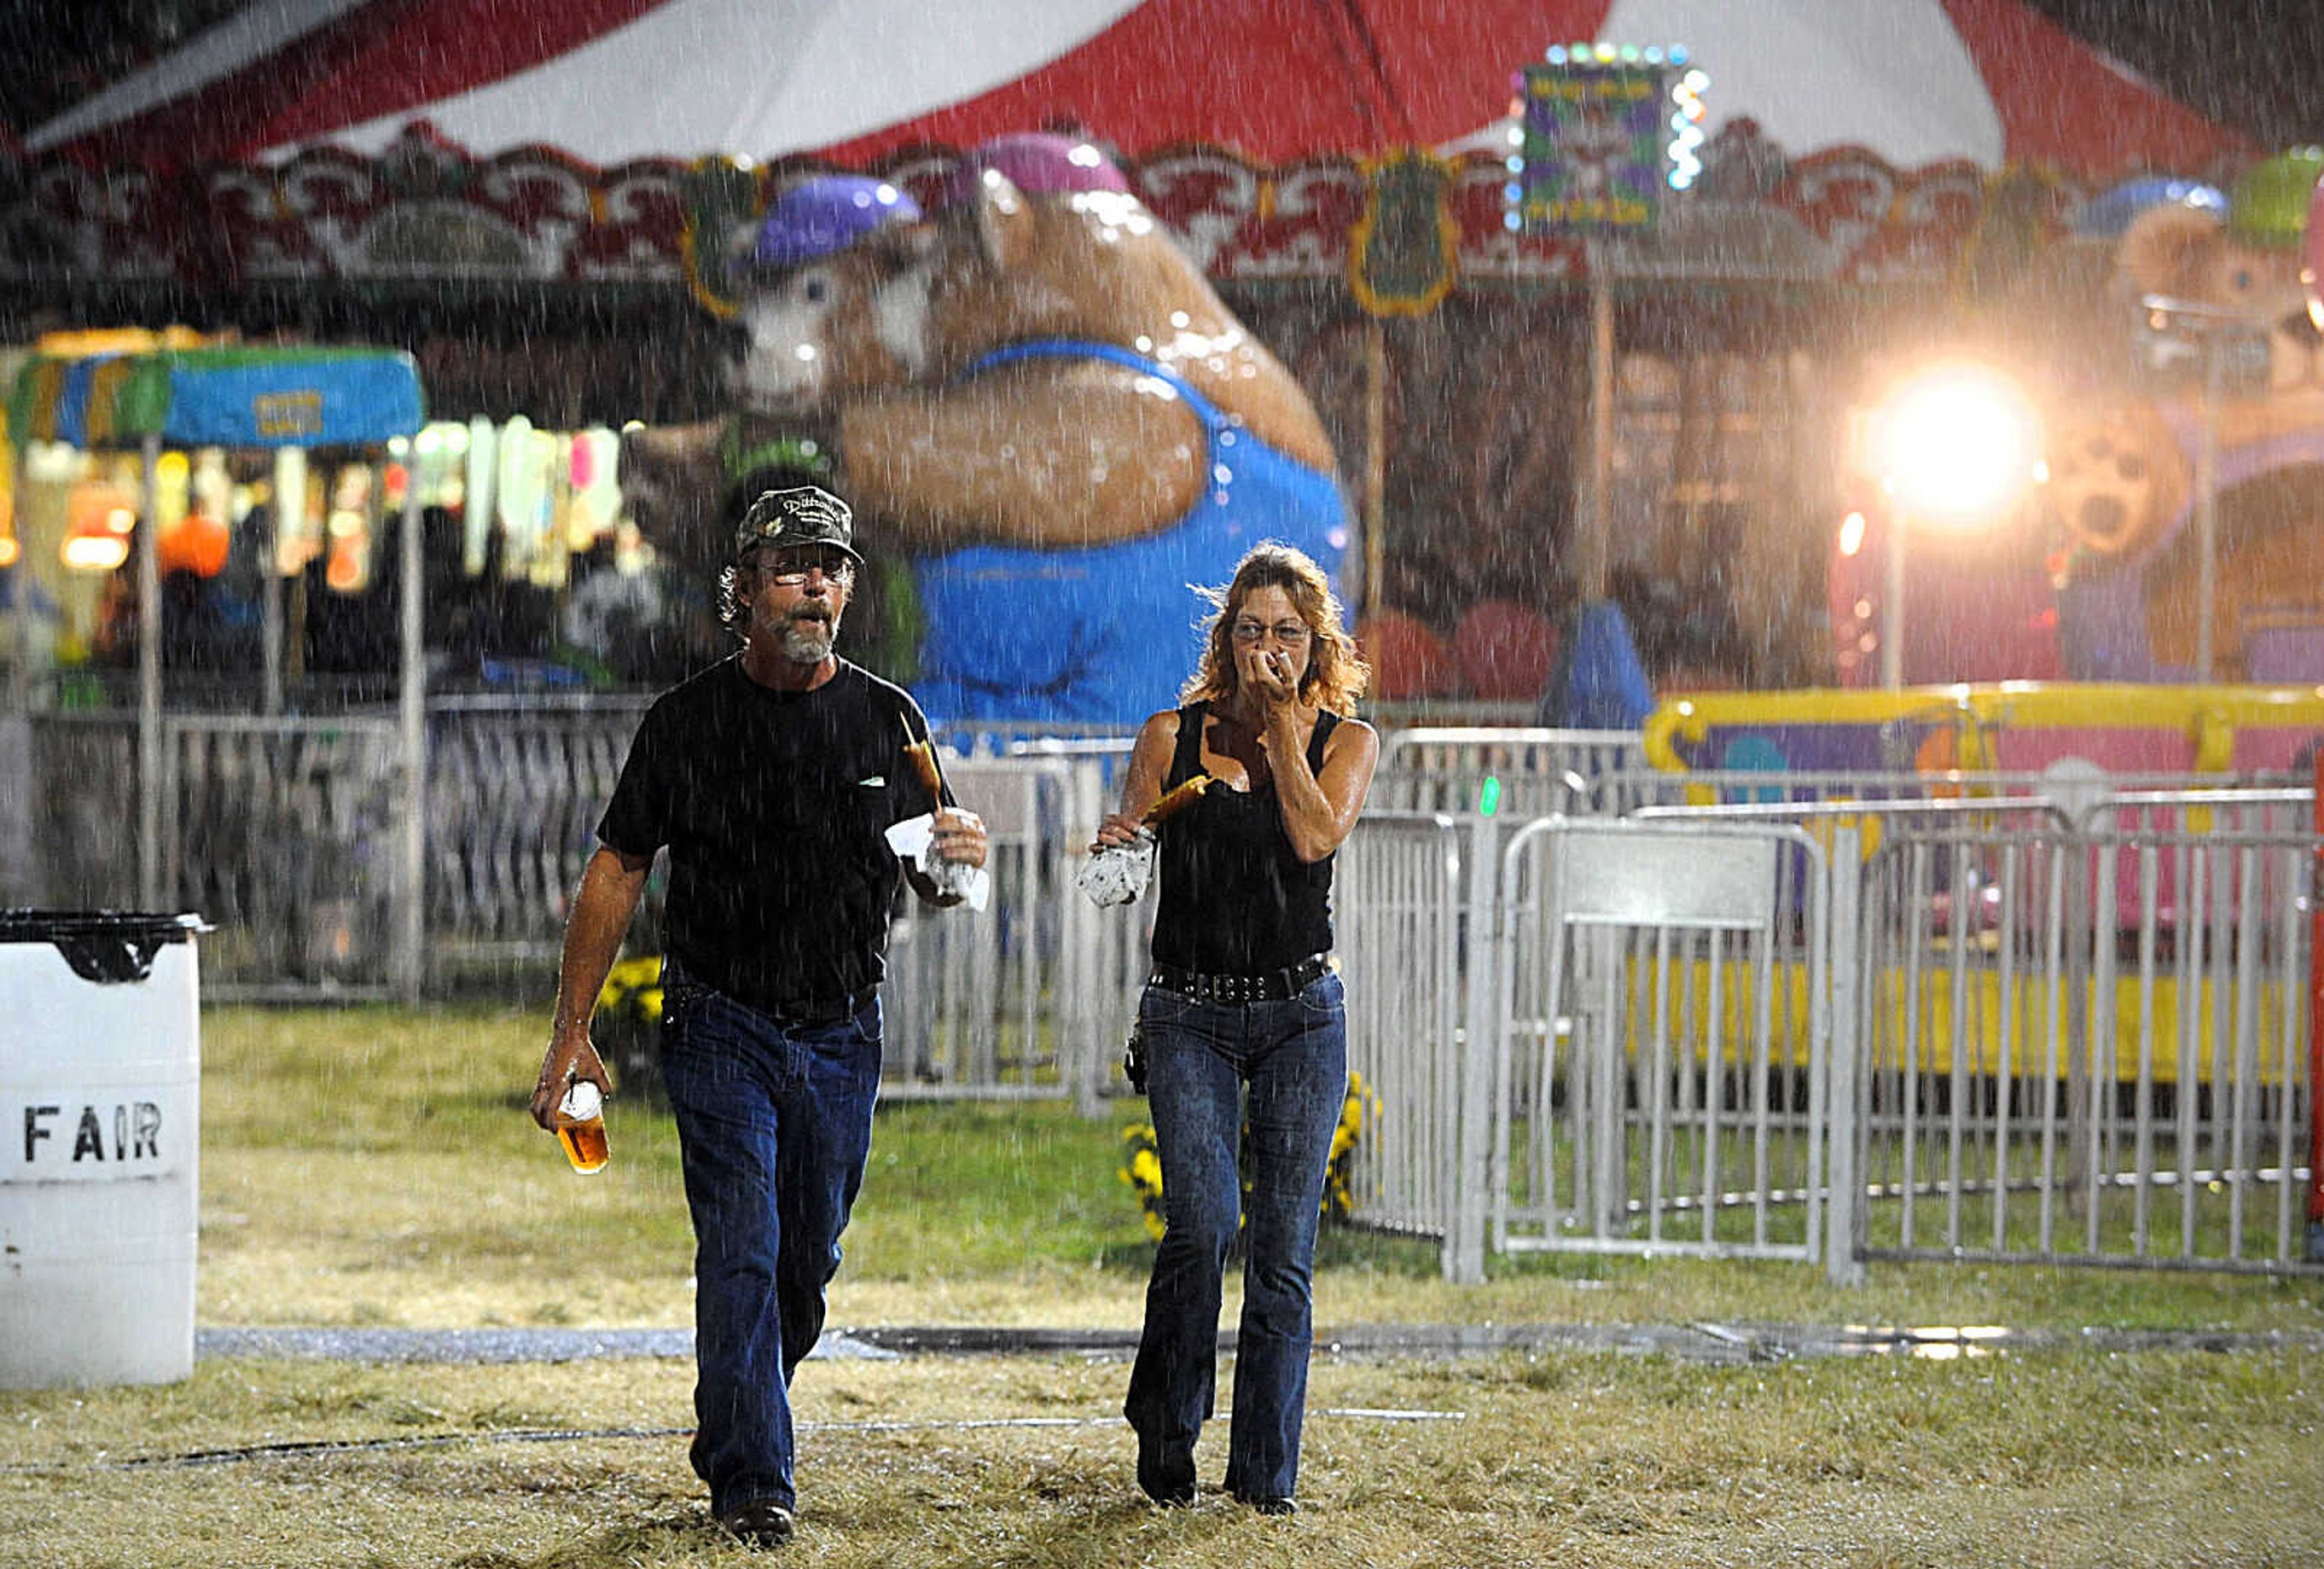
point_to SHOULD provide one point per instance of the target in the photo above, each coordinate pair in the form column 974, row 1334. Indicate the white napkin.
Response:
column 914, row 840
column 1117, row 874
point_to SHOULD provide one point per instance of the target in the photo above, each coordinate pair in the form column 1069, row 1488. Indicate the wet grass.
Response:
column 2051, row 1459
column 376, row 1166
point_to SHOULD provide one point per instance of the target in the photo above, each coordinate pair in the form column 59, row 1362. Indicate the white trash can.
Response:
column 100, row 1121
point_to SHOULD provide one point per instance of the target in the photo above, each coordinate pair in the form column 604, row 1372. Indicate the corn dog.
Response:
column 923, row 755
column 1175, row 801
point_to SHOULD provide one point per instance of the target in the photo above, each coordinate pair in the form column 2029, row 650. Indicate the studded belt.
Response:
column 1268, row 986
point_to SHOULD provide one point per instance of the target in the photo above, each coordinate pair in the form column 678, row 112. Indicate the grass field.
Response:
column 375, row 1167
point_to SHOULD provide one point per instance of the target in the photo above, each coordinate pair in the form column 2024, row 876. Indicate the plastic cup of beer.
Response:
column 581, row 1127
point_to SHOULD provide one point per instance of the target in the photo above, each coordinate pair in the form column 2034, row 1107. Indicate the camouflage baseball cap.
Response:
column 804, row 514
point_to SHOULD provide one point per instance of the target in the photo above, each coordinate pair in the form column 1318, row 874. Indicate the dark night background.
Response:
column 2257, row 65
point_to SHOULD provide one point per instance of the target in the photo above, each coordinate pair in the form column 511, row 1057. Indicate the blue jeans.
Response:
column 1199, row 1057
column 774, row 1128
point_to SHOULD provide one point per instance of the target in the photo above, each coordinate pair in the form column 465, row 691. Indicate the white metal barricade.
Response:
column 2089, row 1044
column 2070, row 1026
column 1397, row 912
column 1032, row 996
column 2049, row 1017
column 1660, row 1039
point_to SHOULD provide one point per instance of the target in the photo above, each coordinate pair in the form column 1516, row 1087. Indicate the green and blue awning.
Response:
column 273, row 396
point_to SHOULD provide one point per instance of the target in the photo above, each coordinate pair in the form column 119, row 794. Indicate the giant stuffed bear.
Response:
column 1038, row 396
column 2122, row 475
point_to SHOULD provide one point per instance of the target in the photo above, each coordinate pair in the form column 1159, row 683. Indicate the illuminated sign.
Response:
column 1602, row 131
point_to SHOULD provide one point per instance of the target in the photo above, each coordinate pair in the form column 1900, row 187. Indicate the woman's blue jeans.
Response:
column 774, row 1128
column 1293, row 1056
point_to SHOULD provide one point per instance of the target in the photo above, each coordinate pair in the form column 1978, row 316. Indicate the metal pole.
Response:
column 1592, row 552
column 149, row 685
column 20, row 597
column 290, row 491
column 410, row 891
column 18, row 795
column 1843, row 1214
column 1463, row 1260
column 2315, row 1238
column 2080, row 927
column 2207, row 510
column 1375, row 465
column 1892, row 604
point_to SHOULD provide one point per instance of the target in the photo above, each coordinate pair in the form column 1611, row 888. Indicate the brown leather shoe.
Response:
column 760, row 1523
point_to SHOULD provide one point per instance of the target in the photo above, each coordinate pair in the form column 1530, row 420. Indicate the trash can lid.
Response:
column 105, row 946
column 46, row 926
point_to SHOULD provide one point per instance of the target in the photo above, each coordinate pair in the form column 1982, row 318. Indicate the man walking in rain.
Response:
column 772, row 778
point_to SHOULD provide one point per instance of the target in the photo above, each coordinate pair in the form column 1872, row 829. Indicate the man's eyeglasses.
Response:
column 1291, row 634
column 790, row 570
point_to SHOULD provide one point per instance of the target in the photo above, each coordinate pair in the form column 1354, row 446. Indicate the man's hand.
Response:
column 959, row 836
column 571, row 1056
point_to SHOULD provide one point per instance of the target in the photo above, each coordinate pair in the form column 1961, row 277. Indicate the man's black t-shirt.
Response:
column 774, row 806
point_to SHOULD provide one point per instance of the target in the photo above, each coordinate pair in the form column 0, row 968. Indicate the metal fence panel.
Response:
column 283, row 835
column 281, row 832
column 2104, row 1061
column 514, row 792
column 79, row 841
column 1397, row 917
column 1659, row 1075
column 1031, row 997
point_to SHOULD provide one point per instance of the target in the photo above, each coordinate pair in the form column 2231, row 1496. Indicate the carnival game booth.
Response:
column 301, row 839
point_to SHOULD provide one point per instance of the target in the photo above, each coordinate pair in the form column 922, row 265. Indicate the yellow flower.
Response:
column 633, row 986
column 1142, row 1163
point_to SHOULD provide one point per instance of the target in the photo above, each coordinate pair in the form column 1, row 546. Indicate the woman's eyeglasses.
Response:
column 1289, row 633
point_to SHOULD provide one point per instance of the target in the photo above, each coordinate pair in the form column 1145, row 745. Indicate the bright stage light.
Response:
column 1956, row 444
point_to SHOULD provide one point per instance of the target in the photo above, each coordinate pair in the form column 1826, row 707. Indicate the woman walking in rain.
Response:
column 1243, row 1018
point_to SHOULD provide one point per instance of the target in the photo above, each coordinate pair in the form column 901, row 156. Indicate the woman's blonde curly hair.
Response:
column 1336, row 674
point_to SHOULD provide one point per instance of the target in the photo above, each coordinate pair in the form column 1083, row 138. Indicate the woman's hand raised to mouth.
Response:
column 1268, row 676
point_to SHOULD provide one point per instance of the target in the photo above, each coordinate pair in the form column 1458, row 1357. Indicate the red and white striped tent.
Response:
column 1913, row 82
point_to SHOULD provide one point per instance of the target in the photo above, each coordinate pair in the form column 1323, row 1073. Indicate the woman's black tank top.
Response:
column 1236, row 900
